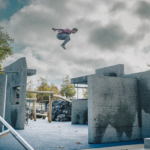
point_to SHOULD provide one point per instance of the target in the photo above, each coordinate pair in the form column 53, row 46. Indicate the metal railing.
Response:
column 15, row 134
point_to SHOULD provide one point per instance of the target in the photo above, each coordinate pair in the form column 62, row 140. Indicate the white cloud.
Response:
column 128, row 21
column 31, row 29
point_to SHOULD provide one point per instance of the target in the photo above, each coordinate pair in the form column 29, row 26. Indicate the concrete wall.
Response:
column 144, row 100
column 79, row 112
column 3, row 82
column 116, row 70
column 15, row 114
column 112, row 109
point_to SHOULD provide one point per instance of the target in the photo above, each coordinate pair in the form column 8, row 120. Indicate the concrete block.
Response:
column 79, row 112
column 147, row 143
column 123, row 103
column 116, row 70
column 31, row 72
column 109, row 105
column 144, row 100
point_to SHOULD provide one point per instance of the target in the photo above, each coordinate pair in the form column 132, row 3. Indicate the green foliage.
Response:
column 67, row 89
column 5, row 49
column 43, row 86
column 85, row 93
column 30, row 87
column 5, row 42
column 54, row 89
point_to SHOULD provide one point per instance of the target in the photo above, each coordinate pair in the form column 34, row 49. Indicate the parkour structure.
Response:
column 12, row 108
column 16, row 77
column 117, row 108
column 118, row 105
column 51, row 96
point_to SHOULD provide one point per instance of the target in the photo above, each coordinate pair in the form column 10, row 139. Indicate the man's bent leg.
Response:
column 67, row 39
column 60, row 36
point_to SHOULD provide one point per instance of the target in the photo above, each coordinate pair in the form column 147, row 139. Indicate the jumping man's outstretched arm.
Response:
column 57, row 29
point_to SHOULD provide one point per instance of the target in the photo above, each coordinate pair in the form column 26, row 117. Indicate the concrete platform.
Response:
column 126, row 147
column 147, row 143
column 42, row 135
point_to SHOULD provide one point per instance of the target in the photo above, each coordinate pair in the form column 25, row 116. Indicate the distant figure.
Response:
column 63, row 34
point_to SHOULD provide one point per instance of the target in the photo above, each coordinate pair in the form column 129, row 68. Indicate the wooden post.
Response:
column 49, row 117
column 34, row 109
column 77, row 91
column 4, row 133
column 31, row 116
column 50, row 108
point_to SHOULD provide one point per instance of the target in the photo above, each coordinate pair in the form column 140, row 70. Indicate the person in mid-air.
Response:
column 63, row 34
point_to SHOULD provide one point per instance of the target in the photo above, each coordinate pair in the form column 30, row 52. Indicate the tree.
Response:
column 54, row 89
column 85, row 93
column 30, row 85
column 44, row 86
column 2, row 69
column 5, row 48
column 67, row 89
column 5, row 42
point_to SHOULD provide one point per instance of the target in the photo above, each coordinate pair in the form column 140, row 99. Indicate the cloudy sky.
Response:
column 110, row 32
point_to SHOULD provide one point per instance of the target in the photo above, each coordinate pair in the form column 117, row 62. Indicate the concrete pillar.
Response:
column 147, row 143
column 3, row 83
column 15, row 114
column 79, row 113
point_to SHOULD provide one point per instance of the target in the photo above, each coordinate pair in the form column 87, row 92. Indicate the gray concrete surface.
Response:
column 42, row 135
column 15, row 114
column 79, row 80
column 147, row 143
column 79, row 112
column 126, row 147
column 116, row 70
column 137, row 115
column 3, row 82
column 144, row 101
column 112, row 109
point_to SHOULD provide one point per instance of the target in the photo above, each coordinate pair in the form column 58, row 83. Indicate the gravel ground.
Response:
column 42, row 135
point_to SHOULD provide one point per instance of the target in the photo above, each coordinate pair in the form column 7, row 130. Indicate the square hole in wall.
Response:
column 112, row 74
column 15, row 95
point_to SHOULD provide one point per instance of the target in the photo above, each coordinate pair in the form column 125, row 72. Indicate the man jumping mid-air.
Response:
column 63, row 34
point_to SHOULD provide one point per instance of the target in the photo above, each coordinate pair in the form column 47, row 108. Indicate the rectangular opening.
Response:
column 15, row 95
column 112, row 74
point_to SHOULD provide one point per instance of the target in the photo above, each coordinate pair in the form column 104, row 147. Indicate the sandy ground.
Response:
column 42, row 135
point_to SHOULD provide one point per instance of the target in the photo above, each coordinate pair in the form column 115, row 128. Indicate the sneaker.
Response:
column 63, row 46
